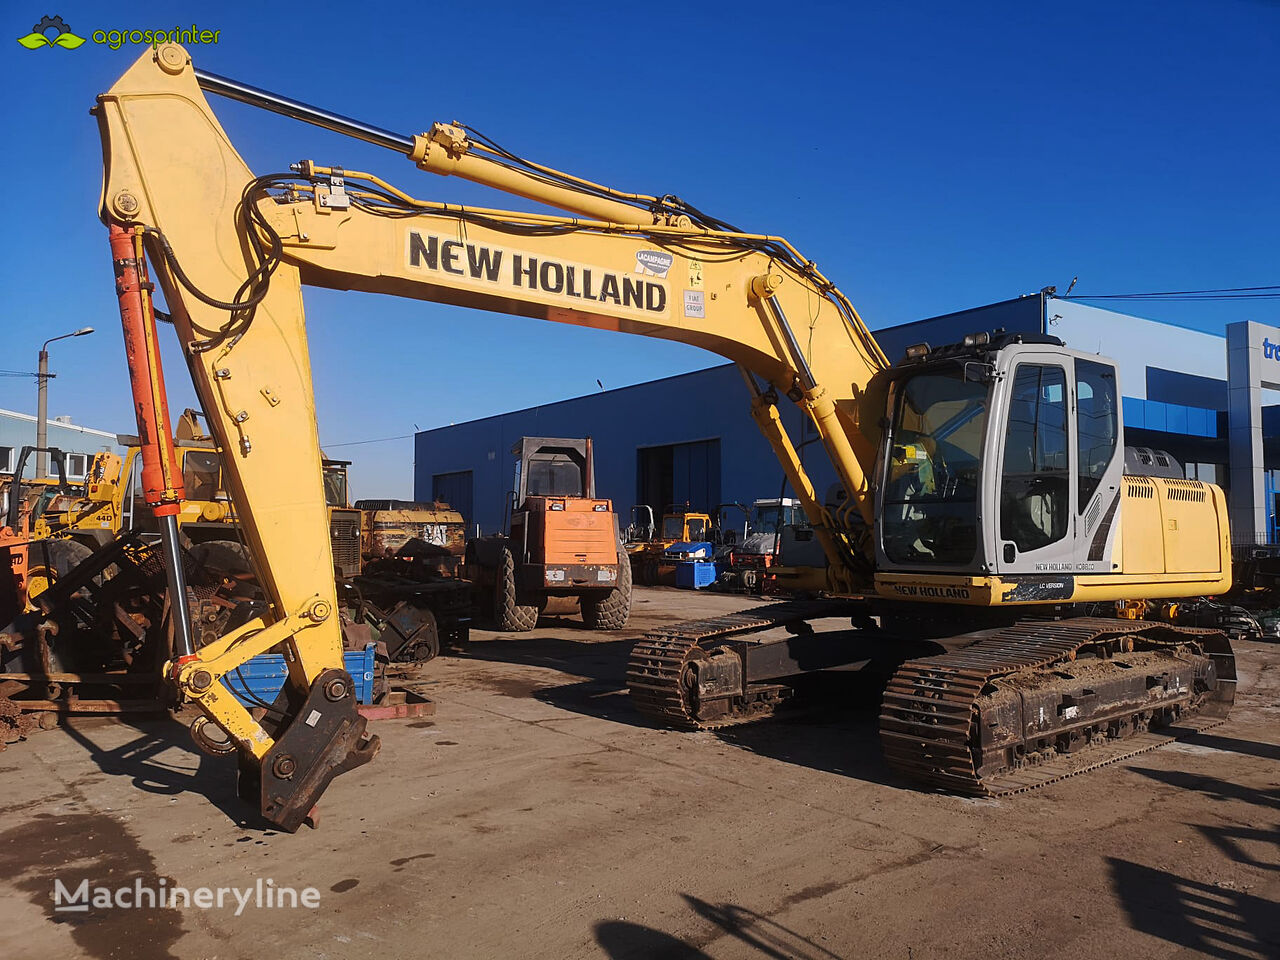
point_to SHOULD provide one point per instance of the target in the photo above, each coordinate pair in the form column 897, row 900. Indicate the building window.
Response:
column 77, row 465
column 1036, row 489
column 6, row 459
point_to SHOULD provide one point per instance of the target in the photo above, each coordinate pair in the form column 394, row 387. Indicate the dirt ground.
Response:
column 535, row 816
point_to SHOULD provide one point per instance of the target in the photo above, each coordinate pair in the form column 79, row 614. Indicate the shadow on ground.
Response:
column 1217, row 921
column 829, row 725
column 142, row 761
column 602, row 666
column 623, row 940
column 1252, row 748
column 1212, row 787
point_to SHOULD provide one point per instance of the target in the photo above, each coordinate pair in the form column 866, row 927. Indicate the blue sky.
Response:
column 929, row 156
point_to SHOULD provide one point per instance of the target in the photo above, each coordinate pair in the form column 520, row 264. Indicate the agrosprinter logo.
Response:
column 54, row 32
column 51, row 32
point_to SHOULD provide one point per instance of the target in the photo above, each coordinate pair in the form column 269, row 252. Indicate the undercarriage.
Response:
column 990, row 712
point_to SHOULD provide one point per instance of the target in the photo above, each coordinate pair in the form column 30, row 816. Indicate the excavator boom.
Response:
column 231, row 251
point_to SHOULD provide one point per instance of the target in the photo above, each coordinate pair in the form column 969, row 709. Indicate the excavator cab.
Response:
column 1005, row 456
column 335, row 482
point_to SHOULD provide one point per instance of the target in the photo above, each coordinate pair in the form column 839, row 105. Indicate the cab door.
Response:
column 1099, row 465
column 1036, row 500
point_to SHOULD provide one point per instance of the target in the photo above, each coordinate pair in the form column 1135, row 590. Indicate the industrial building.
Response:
column 1205, row 398
column 18, row 430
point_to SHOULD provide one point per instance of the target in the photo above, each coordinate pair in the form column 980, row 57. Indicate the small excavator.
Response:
column 989, row 547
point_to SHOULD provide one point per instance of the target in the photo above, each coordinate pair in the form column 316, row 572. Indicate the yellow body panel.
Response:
column 1173, row 540
column 1175, row 527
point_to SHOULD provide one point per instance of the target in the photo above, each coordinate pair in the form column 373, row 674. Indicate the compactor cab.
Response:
column 642, row 527
column 560, row 540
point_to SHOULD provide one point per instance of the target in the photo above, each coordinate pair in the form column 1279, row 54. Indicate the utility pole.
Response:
column 42, row 416
column 42, row 402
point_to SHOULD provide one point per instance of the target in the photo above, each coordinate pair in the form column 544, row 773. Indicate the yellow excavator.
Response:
column 986, row 504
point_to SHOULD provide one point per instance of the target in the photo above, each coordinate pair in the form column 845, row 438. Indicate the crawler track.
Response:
column 975, row 720
column 1018, row 708
column 660, row 682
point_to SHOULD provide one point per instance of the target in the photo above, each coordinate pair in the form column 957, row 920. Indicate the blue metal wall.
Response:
column 1170, row 386
column 704, row 405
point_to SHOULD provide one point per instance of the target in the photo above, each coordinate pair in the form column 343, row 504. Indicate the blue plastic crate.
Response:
column 695, row 574
column 264, row 675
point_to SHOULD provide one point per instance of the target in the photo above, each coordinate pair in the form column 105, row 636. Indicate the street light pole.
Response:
column 42, row 414
column 42, row 401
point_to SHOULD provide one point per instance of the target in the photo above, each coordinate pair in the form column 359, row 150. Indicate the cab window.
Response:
column 1097, row 425
column 932, row 473
column 201, row 470
column 1035, row 492
column 335, row 487
column 554, row 478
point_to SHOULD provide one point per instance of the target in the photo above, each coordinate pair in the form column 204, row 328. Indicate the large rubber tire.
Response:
column 612, row 610
column 509, row 613
column 223, row 556
column 50, row 560
column 648, row 572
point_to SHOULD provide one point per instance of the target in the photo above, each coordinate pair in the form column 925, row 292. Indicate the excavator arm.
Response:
column 231, row 251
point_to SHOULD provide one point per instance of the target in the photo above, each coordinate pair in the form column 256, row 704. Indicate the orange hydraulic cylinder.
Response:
column 161, row 477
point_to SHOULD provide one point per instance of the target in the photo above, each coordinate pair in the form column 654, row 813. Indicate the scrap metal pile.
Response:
column 97, row 639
